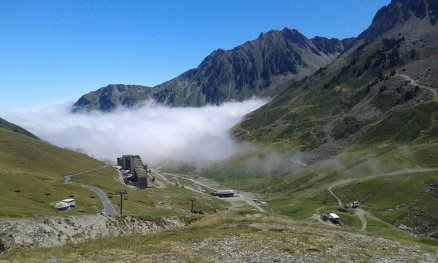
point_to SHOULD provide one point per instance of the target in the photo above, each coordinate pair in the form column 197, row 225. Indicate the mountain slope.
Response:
column 111, row 96
column 257, row 67
column 15, row 128
column 31, row 174
column 392, row 67
column 253, row 68
column 366, row 127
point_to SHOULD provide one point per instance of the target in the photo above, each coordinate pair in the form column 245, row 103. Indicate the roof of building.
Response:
column 61, row 205
column 225, row 191
column 334, row 216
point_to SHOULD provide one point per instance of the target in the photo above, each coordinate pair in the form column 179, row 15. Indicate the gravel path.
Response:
column 415, row 83
column 360, row 212
column 68, row 178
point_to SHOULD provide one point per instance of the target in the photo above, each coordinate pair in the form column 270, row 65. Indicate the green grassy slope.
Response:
column 15, row 128
column 296, row 116
column 408, row 198
column 32, row 178
column 372, row 111
column 154, row 201
column 391, row 145
column 31, row 169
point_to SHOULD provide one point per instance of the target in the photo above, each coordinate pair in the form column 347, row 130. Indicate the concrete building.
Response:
column 223, row 193
column 70, row 201
column 138, row 170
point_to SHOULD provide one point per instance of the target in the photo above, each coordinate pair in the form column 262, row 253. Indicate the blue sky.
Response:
column 52, row 50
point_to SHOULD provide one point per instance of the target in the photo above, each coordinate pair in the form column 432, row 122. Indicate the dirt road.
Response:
column 67, row 178
column 242, row 196
column 415, row 83
column 361, row 213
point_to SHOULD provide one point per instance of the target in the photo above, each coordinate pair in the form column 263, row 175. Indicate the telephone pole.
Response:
column 121, row 193
column 192, row 200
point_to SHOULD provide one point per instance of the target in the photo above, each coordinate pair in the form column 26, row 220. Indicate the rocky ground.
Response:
column 44, row 232
column 253, row 238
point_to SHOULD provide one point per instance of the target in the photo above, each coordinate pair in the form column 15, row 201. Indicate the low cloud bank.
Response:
column 157, row 133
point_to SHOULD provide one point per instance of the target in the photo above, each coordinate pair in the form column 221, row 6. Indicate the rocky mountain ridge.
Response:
column 257, row 67
column 391, row 67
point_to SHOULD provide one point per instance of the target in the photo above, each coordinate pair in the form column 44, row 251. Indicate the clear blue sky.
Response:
column 52, row 50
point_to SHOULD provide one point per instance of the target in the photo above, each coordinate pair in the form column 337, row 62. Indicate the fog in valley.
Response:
column 157, row 133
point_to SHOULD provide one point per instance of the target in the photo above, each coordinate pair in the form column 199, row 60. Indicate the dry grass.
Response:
column 237, row 237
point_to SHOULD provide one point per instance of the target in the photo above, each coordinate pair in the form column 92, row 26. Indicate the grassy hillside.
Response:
column 371, row 112
column 404, row 197
column 15, row 128
column 391, row 145
column 159, row 200
column 31, row 173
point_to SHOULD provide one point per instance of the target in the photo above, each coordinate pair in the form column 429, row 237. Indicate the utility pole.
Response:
column 192, row 200
column 121, row 193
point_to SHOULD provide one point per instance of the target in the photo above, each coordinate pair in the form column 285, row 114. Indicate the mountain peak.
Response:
column 257, row 67
column 398, row 12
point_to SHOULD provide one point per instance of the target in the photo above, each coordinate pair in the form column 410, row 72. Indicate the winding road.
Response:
column 108, row 208
column 359, row 212
column 415, row 83
column 67, row 178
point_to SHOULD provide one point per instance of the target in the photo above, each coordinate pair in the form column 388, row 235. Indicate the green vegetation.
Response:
column 302, row 194
column 346, row 126
column 32, row 173
column 155, row 201
column 418, row 123
column 15, row 128
column 409, row 199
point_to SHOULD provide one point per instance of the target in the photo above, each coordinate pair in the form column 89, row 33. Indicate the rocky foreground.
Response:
column 46, row 232
column 240, row 238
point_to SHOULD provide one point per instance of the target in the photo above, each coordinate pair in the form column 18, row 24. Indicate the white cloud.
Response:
column 157, row 133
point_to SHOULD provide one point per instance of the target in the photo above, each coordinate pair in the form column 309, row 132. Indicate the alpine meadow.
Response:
column 285, row 148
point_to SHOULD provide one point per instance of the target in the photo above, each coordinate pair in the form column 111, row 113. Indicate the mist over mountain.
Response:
column 257, row 67
column 158, row 133
column 327, row 148
column 15, row 128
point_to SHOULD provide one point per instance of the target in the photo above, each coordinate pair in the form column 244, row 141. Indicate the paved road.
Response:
column 108, row 208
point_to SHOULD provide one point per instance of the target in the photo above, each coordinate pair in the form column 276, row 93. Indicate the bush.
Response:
column 2, row 247
column 409, row 95
column 345, row 127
